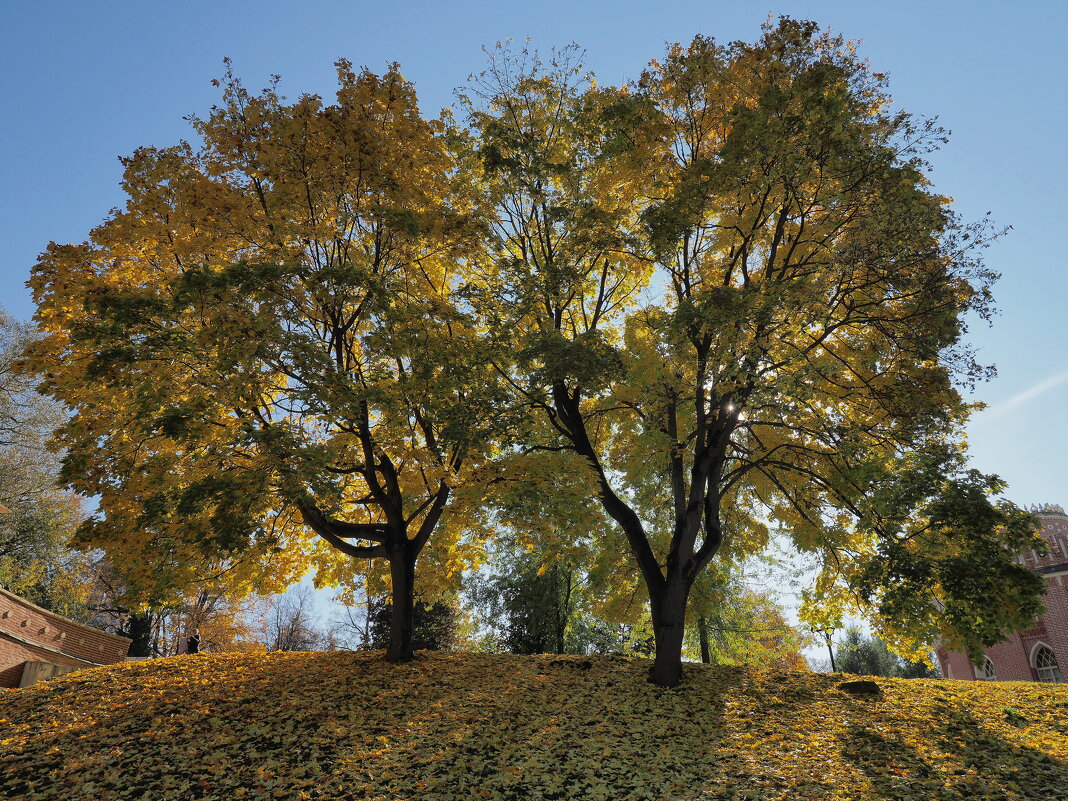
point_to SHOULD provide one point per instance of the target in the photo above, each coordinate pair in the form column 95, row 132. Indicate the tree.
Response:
column 435, row 624
column 157, row 626
column 869, row 656
column 151, row 593
column 799, row 363
column 26, row 418
column 529, row 600
column 40, row 519
column 290, row 623
column 263, row 352
column 720, row 299
column 735, row 625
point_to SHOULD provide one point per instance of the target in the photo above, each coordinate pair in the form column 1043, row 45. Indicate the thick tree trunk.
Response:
column 139, row 629
column 669, row 627
column 702, row 631
column 402, row 619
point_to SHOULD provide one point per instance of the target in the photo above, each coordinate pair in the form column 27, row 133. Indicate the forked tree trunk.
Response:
column 402, row 619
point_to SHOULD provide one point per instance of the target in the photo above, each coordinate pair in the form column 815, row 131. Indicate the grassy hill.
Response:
column 456, row 726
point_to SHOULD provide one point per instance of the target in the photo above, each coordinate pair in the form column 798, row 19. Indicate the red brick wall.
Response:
column 10, row 677
column 29, row 633
column 1056, row 620
column 1012, row 659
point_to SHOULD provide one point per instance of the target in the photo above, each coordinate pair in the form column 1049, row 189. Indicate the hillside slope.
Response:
column 455, row 726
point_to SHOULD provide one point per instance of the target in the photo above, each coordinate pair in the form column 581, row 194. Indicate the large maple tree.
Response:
column 794, row 359
column 263, row 351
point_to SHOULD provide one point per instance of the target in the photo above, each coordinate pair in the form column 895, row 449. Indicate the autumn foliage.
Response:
column 717, row 303
column 342, row 725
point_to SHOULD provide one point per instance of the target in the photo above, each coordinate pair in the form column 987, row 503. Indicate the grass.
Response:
column 339, row 725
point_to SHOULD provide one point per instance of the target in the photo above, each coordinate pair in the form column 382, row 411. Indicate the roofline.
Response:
column 1053, row 570
column 66, row 620
column 50, row 649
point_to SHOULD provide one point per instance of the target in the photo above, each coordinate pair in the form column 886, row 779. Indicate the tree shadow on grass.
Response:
column 339, row 726
column 973, row 762
column 330, row 726
column 573, row 728
column 604, row 733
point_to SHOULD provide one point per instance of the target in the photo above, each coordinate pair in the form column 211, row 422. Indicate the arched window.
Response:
column 1045, row 662
column 986, row 672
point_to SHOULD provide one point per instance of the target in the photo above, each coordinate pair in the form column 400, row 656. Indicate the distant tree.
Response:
column 35, row 559
column 225, row 622
column 291, row 623
column 350, row 626
column 27, row 418
column 436, row 624
column 594, row 635
column 866, row 656
column 917, row 670
column 114, row 609
column 529, row 602
column 225, row 619
column 734, row 625
column 869, row 656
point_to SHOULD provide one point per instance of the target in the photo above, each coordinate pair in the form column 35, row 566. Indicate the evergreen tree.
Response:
column 869, row 656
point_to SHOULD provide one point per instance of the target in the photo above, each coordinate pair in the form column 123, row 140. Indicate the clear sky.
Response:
column 82, row 83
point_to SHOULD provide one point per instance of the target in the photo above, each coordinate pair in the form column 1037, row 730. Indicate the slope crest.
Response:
column 342, row 725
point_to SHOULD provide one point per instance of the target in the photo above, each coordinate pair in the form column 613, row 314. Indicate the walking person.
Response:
column 190, row 644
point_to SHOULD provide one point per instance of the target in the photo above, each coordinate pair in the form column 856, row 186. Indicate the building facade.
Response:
column 1041, row 652
column 37, row 644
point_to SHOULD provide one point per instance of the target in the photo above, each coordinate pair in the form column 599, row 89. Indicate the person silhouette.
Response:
column 192, row 642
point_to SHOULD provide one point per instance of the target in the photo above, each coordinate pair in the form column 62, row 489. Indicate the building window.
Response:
column 1046, row 664
column 986, row 672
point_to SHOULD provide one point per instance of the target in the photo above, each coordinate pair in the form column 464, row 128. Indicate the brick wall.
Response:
column 29, row 633
column 1056, row 620
column 1013, row 659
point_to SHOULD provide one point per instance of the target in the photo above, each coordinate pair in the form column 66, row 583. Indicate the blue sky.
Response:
column 82, row 83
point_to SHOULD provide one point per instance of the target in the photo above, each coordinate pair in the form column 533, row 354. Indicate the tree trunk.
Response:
column 139, row 629
column 669, row 627
column 702, row 631
column 402, row 619
column 566, row 615
column 559, row 611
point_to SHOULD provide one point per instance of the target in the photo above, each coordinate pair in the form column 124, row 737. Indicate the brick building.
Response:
column 1041, row 652
column 37, row 644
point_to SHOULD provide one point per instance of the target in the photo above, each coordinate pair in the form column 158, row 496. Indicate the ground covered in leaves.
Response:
column 340, row 725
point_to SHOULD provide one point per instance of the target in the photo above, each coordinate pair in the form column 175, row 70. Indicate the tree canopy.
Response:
column 263, row 350
column 721, row 301
column 795, row 360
